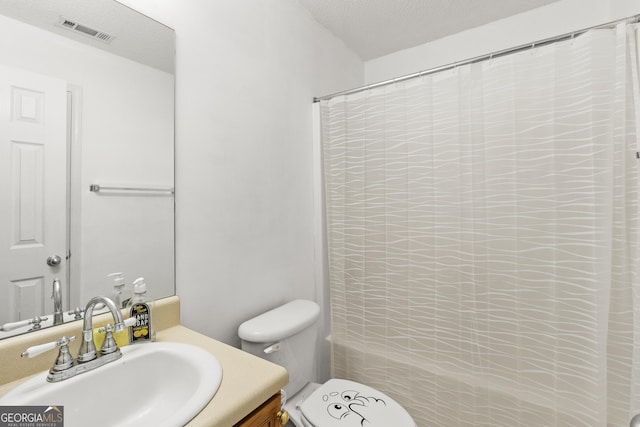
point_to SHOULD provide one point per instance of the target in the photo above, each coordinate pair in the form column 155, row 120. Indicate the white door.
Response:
column 33, row 139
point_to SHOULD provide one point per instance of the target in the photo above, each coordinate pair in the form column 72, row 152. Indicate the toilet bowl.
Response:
column 286, row 336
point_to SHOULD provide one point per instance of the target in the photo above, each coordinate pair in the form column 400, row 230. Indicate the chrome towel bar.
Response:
column 97, row 188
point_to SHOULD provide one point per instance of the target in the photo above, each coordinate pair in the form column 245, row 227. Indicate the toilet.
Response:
column 286, row 336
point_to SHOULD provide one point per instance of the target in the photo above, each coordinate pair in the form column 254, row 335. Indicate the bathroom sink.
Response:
column 154, row 384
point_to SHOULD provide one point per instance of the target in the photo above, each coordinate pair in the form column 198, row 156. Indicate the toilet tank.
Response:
column 286, row 336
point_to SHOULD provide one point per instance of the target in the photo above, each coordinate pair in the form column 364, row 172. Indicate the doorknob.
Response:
column 54, row 260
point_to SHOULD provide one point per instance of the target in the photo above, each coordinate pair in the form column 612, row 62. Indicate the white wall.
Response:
column 247, row 72
column 126, row 138
column 548, row 21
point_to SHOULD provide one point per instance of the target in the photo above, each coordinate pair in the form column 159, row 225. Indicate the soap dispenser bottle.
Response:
column 118, row 289
column 141, row 308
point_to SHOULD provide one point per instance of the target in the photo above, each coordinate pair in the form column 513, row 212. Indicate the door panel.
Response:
column 33, row 142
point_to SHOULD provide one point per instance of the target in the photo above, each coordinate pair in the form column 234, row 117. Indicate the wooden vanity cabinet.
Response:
column 266, row 415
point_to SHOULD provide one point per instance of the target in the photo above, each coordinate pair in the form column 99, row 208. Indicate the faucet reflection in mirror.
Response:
column 56, row 296
column 36, row 322
column 58, row 315
column 88, row 358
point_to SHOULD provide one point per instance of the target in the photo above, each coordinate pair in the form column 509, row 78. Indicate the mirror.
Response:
column 87, row 152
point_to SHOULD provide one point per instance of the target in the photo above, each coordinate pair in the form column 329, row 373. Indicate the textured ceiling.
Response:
column 373, row 28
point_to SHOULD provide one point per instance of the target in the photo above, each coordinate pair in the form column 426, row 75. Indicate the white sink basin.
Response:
column 155, row 384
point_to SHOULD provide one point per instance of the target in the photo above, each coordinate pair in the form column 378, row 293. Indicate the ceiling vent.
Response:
column 72, row 25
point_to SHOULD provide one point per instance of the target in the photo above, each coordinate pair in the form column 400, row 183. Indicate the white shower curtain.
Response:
column 483, row 237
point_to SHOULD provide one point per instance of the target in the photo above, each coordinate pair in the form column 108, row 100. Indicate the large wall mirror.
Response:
column 87, row 155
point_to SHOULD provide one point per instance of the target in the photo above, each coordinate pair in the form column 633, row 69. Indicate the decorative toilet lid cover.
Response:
column 344, row 403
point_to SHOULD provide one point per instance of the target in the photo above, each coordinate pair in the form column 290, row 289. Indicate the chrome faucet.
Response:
column 88, row 347
column 88, row 358
column 56, row 295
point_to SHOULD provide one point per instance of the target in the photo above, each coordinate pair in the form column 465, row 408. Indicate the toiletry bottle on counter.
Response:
column 118, row 289
column 141, row 308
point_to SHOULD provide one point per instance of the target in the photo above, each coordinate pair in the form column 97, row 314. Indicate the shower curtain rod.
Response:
column 630, row 20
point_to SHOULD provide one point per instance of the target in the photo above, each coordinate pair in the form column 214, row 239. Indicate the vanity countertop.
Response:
column 247, row 381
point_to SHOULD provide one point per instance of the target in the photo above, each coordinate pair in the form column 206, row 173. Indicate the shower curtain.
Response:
column 482, row 232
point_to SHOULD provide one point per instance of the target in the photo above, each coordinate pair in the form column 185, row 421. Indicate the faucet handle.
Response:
column 36, row 323
column 13, row 325
column 109, row 345
column 77, row 313
column 37, row 350
column 119, row 326
column 131, row 321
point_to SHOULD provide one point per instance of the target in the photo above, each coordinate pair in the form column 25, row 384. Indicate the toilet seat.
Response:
column 344, row 403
